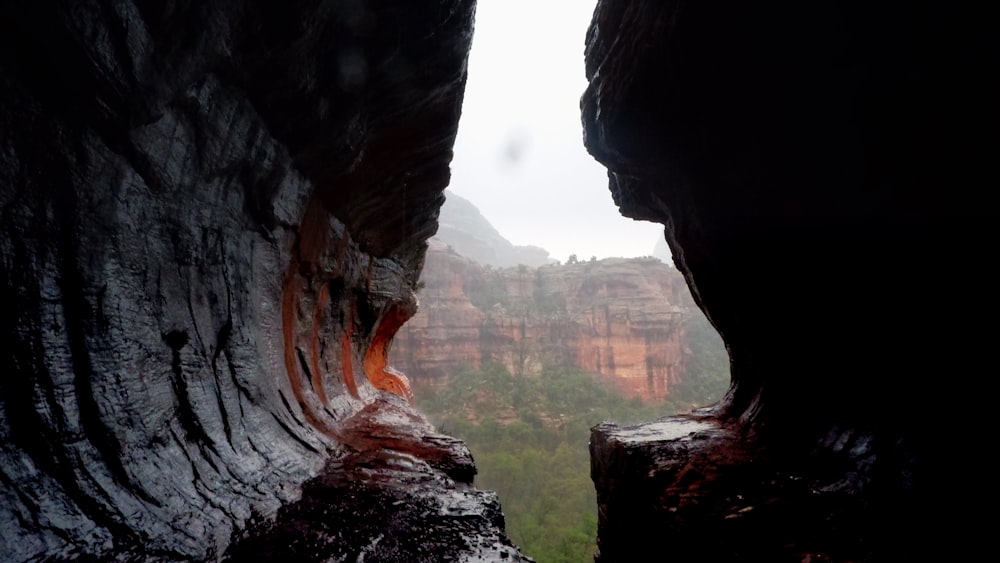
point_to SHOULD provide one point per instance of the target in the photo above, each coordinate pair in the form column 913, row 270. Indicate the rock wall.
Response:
column 840, row 149
column 625, row 319
column 214, row 215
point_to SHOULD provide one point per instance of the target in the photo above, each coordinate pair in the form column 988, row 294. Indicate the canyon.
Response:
column 215, row 214
column 627, row 320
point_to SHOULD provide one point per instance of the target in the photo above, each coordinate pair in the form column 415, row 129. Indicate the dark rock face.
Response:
column 214, row 214
column 841, row 149
column 696, row 481
column 405, row 497
column 213, row 218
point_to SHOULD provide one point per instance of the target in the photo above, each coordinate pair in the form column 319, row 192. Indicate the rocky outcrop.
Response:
column 707, row 481
column 214, row 215
column 393, row 500
column 626, row 319
column 832, row 148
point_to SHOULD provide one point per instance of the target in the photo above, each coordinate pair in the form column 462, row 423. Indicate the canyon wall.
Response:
column 625, row 319
column 214, row 216
column 213, row 219
column 842, row 151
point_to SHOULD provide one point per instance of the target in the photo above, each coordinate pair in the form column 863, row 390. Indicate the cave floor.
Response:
column 399, row 492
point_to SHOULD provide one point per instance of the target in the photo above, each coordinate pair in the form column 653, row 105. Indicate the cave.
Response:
column 214, row 215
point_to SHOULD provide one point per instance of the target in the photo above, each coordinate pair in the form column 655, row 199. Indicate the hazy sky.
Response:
column 519, row 156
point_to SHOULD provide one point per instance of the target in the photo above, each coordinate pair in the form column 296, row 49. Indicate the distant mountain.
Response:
column 484, row 300
column 662, row 251
column 464, row 229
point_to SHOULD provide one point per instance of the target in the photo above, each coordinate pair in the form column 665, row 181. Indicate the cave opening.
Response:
column 519, row 155
column 209, row 235
column 543, row 311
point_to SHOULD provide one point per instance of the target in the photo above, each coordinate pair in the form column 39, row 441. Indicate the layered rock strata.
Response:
column 625, row 319
column 213, row 219
column 168, row 173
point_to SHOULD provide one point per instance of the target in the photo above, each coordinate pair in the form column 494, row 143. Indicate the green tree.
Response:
column 529, row 437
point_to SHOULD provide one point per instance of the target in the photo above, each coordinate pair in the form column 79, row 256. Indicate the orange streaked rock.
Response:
column 623, row 318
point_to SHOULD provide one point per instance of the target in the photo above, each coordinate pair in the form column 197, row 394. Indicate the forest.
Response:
column 529, row 437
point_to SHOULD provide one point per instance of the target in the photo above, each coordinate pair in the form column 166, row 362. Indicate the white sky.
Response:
column 519, row 156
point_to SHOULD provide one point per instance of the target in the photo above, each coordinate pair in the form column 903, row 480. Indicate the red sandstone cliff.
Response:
column 626, row 319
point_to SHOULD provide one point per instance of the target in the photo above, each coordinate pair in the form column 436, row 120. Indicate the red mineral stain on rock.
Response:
column 322, row 301
column 346, row 358
column 289, row 305
column 377, row 369
column 303, row 274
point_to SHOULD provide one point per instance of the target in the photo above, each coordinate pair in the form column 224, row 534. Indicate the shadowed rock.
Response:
column 820, row 169
column 213, row 218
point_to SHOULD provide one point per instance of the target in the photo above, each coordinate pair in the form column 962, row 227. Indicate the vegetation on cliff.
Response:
column 626, row 319
column 529, row 435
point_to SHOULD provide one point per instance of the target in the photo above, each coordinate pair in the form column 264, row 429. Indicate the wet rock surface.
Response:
column 406, row 497
column 213, row 218
column 705, row 494
column 214, row 215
